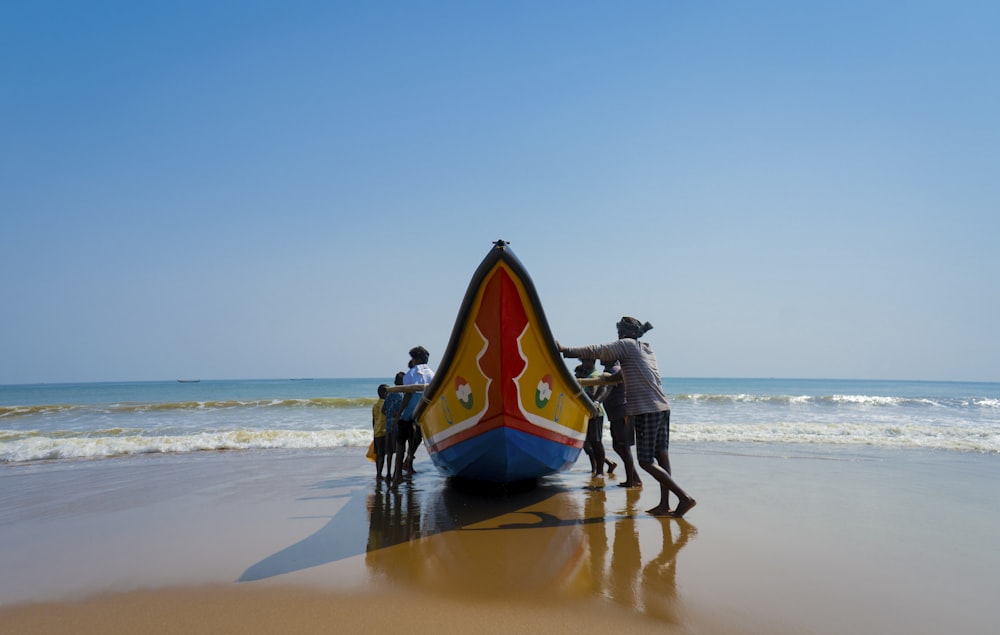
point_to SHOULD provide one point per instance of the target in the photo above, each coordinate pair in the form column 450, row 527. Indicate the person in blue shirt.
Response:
column 408, row 435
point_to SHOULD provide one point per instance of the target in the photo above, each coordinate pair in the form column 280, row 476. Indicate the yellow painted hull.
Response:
column 503, row 406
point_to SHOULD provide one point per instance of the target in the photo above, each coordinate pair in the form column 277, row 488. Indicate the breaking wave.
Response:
column 30, row 446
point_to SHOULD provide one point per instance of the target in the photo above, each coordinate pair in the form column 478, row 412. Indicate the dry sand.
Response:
column 784, row 540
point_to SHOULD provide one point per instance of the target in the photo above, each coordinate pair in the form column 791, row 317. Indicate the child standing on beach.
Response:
column 378, row 428
column 593, row 446
column 392, row 408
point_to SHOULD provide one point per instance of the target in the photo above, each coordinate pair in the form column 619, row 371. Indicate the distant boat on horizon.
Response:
column 188, row 381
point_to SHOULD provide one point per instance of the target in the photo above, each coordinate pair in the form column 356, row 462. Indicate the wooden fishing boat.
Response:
column 503, row 406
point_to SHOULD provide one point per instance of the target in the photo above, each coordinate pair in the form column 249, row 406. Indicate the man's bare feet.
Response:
column 630, row 484
column 611, row 466
column 684, row 507
column 660, row 510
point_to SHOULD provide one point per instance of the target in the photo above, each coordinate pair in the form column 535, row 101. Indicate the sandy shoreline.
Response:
column 784, row 539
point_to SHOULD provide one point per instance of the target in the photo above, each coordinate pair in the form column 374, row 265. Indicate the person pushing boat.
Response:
column 646, row 404
column 408, row 435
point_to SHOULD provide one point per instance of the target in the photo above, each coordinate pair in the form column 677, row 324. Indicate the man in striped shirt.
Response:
column 646, row 404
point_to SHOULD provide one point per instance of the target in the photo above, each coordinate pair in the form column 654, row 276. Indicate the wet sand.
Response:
column 783, row 540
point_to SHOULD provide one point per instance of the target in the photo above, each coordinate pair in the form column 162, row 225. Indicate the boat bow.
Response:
column 503, row 406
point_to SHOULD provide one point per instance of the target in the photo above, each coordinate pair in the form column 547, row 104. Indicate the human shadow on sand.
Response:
column 394, row 517
column 528, row 540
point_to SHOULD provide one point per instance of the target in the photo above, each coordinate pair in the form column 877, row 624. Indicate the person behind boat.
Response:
column 378, row 430
column 407, row 432
column 646, row 404
column 593, row 444
column 622, row 431
column 392, row 407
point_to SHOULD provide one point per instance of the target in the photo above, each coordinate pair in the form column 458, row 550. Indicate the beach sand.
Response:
column 783, row 540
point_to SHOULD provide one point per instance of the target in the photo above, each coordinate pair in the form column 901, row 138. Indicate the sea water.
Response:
column 53, row 422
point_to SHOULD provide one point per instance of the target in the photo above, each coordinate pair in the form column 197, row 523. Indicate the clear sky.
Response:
column 303, row 189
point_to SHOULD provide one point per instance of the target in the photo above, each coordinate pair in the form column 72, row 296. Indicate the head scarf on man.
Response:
column 632, row 328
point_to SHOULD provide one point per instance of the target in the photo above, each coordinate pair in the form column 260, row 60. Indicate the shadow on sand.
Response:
column 548, row 541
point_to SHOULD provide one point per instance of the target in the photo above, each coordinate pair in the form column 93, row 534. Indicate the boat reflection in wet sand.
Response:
column 503, row 407
column 456, row 542
column 546, row 544
column 555, row 542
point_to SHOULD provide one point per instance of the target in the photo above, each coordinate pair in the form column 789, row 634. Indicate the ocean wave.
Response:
column 851, row 400
column 972, row 439
column 229, row 404
column 15, row 411
column 25, row 447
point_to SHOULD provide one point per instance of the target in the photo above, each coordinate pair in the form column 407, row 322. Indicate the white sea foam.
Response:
column 968, row 438
column 97, row 420
column 847, row 399
column 27, row 446
column 53, row 446
column 866, row 400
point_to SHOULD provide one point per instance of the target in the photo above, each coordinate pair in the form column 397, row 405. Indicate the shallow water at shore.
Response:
column 71, row 421
column 782, row 540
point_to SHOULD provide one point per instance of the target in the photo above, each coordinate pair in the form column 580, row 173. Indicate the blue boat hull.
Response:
column 504, row 454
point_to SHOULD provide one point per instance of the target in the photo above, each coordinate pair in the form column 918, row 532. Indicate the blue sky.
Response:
column 304, row 189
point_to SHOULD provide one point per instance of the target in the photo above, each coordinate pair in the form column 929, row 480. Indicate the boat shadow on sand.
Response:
column 546, row 541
